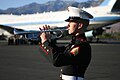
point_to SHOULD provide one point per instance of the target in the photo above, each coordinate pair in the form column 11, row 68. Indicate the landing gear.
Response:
column 89, row 39
column 97, row 39
column 94, row 39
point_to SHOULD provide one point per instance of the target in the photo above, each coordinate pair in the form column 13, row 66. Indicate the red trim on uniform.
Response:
column 82, row 39
column 43, row 49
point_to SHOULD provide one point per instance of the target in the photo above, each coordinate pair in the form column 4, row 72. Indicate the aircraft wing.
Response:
column 9, row 29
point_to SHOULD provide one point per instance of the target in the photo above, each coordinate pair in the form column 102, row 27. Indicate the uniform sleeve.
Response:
column 58, row 56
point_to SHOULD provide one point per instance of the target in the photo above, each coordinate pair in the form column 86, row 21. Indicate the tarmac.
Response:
column 25, row 62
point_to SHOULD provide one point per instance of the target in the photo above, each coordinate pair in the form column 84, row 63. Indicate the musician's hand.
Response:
column 45, row 35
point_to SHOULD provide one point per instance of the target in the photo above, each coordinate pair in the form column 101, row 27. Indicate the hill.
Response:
column 57, row 5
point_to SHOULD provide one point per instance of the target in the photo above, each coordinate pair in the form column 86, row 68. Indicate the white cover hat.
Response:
column 77, row 14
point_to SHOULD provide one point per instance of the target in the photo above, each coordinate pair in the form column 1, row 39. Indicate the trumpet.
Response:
column 56, row 32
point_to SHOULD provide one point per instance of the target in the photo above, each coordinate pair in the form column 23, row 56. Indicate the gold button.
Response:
column 42, row 45
column 45, row 47
column 47, row 50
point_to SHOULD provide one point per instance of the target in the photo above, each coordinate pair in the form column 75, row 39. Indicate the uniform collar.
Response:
column 78, row 39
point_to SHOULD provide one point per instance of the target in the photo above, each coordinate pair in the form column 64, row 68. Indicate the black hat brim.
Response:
column 74, row 19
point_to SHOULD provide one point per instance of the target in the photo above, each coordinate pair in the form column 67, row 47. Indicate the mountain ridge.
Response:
column 57, row 5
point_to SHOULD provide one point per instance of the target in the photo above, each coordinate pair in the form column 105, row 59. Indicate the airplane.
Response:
column 105, row 14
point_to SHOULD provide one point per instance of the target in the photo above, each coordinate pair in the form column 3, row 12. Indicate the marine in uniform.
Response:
column 75, row 57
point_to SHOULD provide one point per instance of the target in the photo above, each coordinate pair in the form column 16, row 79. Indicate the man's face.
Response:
column 72, row 27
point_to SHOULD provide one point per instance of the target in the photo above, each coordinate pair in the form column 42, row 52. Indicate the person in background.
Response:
column 75, row 57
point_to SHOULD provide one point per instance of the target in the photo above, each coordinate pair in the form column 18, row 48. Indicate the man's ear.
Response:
column 80, row 25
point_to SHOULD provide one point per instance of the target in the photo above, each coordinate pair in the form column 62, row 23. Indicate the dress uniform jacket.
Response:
column 73, row 58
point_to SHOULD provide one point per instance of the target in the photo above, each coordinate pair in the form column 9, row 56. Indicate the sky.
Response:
column 4, row 4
